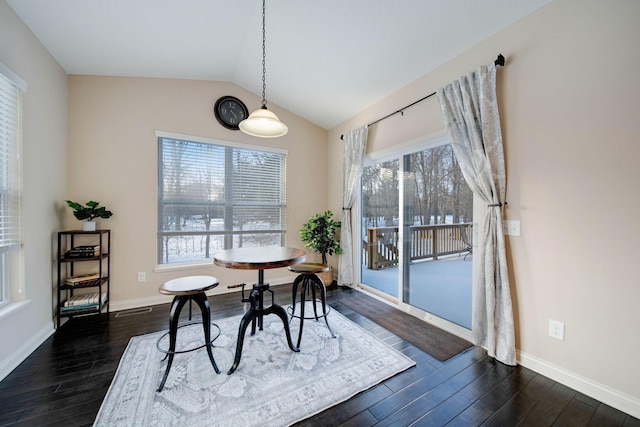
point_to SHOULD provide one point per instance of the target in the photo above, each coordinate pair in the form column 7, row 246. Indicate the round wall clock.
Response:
column 230, row 111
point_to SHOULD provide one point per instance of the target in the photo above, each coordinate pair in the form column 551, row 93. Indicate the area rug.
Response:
column 440, row 344
column 272, row 386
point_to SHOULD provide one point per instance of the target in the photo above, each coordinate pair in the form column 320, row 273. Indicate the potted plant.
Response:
column 319, row 235
column 88, row 213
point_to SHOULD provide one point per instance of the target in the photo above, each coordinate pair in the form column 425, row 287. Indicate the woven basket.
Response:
column 326, row 277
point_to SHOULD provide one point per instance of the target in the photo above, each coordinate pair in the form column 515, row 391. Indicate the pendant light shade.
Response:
column 262, row 122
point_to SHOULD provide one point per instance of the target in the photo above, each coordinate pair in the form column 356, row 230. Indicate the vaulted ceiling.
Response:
column 327, row 60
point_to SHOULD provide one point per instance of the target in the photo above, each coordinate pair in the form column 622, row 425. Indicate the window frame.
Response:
column 398, row 152
column 228, row 204
column 11, row 275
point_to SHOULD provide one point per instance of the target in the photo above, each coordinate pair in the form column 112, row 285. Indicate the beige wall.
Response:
column 113, row 153
column 569, row 110
column 44, row 185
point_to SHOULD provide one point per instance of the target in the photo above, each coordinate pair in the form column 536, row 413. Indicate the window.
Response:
column 215, row 195
column 11, row 88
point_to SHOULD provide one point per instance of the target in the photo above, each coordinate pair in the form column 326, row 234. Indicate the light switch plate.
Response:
column 511, row 228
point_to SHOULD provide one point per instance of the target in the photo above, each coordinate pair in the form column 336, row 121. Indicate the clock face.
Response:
column 230, row 111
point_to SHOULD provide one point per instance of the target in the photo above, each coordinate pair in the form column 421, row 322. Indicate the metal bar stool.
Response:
column 310, row 283
column 187, row 289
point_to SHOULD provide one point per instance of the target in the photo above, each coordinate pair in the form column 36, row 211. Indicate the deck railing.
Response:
column 381, row 249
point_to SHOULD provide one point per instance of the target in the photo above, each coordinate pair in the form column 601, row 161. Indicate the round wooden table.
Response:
column 259, row 258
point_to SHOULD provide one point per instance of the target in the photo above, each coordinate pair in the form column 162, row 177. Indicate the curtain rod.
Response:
column 499, row 61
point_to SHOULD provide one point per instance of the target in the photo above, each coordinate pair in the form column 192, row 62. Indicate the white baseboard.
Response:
column 12, row 362
column 165, row 299
column 139, row 302
column 616, row 399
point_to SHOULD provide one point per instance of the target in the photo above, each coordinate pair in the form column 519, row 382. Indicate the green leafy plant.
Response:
column 89, row 211
column 319, row 235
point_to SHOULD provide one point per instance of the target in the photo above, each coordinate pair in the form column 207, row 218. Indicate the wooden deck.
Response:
column 441, row 287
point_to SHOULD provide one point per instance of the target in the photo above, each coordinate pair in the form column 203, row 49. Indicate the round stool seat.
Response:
column 189, row 285
column 308, row 268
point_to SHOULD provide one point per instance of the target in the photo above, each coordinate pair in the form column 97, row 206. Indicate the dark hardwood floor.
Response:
column 64, row 381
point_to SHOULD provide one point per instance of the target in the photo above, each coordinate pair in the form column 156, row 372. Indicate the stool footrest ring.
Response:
column 290, row 310
column 162, row 350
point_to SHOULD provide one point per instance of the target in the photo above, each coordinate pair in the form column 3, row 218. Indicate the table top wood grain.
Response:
column 259, row 258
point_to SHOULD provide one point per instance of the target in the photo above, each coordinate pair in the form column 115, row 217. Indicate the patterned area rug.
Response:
column 272, row 386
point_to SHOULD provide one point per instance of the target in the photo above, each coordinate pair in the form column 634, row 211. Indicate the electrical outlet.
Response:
column 556, row 329
column 142, row 276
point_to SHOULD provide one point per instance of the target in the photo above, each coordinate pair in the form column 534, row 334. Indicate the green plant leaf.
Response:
column 319, row 235
column 90, row 211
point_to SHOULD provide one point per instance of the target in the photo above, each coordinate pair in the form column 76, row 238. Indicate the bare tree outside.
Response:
column 380, row 194
column 442, row 194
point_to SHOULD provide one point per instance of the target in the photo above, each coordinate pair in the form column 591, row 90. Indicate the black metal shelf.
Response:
column 67, row 240
column 92, row 284
column 82, row 258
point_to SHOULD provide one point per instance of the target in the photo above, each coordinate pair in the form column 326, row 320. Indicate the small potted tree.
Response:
column 319, row 235
column 88, row 213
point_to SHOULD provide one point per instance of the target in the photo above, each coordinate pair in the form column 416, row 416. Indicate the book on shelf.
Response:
column 87, row 251
column 87, row 248
column 83, row 279
column 85, row 300
column 94, row 306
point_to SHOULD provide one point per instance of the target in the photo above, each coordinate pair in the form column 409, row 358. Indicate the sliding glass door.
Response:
column 417, row 226
column 380, row 220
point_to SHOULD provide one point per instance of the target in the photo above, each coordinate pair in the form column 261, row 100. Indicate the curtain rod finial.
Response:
column 500, row 60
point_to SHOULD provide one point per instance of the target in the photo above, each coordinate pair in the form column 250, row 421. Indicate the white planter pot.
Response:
column 88, row 226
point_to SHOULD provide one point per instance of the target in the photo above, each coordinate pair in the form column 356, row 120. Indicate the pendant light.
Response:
column 262, row 122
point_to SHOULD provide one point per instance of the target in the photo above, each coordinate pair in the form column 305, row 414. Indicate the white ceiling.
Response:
column 327, row 60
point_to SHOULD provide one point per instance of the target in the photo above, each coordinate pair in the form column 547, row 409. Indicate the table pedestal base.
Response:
column 256, row 313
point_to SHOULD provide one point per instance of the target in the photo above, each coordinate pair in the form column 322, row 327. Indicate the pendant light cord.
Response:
column 264, row 67
column 262, row 122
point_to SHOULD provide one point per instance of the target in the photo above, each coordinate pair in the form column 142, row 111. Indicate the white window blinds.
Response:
column 10, row 163
column 214, row 195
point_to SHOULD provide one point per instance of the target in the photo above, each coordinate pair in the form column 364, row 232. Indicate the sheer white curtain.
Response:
column 355, row 144
column 470, row 112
